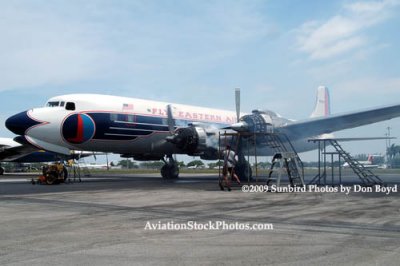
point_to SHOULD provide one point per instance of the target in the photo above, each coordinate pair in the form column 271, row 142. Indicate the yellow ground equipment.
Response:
column 53, row 174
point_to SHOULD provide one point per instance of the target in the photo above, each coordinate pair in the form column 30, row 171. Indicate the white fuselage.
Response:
column 120, row 125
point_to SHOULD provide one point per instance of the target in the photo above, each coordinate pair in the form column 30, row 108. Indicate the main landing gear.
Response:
column 243, row 170
column 170, row 169
column 1, row 170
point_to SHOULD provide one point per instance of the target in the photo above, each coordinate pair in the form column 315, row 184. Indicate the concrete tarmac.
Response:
column 102, row 221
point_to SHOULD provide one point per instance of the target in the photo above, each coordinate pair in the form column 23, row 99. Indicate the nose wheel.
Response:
column 170, row 169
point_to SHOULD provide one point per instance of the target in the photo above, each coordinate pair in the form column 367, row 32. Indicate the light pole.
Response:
column 387, row 144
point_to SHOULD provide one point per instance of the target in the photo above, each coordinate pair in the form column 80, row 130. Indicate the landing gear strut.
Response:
column 170, row 169
column 243, row 169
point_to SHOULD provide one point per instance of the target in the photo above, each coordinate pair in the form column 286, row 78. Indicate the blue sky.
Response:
column 197, row 52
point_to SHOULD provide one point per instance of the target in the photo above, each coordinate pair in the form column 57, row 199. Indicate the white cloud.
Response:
column 344, row 67
column 340, row 47
column 344, row 32
column 370, row 7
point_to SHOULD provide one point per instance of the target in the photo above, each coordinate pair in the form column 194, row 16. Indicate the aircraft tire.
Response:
column 1, row 171
column 244, row 172
column 51, row 178
column 65, row 173
column 170, row 171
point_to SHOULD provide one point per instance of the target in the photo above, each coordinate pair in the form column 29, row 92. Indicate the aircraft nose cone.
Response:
column 19, row 123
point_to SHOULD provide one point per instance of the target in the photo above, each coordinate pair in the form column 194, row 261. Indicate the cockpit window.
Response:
column 53, row 104
column 70, row 106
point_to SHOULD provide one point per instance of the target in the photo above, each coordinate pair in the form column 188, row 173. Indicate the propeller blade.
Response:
column 237, row 101
column 170, row 119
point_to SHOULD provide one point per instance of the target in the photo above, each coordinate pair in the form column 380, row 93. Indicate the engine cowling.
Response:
column 196, row 141
column 257, row 122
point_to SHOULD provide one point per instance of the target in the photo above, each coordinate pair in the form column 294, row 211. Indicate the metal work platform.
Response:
column 367, row 177
column 289, row 163
column 284, row 162
column 77, row 169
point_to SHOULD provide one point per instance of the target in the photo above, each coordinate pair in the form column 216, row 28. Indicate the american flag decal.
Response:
column 127, row 106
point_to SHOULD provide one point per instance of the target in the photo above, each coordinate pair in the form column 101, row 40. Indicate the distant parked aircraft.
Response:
column 12, row 151
column 368, row 163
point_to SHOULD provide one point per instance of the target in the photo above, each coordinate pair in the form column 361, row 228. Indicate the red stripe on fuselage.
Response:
column 79, row 131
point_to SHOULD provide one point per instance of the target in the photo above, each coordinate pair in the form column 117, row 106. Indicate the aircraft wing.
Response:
column 322, row 125
column 28, row 153
column 9, row 154
column 353, row 139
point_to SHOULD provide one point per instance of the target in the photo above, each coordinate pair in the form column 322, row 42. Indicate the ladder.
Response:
column 78, row 170
column 285, row 159
column 366, row 176
column 84, row 168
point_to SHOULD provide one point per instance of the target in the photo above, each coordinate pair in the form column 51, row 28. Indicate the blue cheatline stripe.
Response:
column 88, row 127
column 112, row 126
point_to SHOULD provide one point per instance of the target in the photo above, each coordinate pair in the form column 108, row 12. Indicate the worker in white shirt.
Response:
column 229, row 167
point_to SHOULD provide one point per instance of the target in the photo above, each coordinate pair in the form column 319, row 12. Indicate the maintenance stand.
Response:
column 248, row 144
column 367, row 177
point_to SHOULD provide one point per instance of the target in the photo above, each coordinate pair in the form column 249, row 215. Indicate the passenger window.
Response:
column 113, row 117
column 62, row 104
column 70, row 106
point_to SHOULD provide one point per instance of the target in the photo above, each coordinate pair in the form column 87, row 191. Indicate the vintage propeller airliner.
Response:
column 152, row 130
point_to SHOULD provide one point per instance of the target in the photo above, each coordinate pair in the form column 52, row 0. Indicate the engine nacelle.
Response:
column 196, row 140
column 257, row 122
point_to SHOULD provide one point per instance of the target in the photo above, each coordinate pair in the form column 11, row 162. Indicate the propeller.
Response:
column 170, row 120
column 239, row 125
column 237, row 101
column 171, row 126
